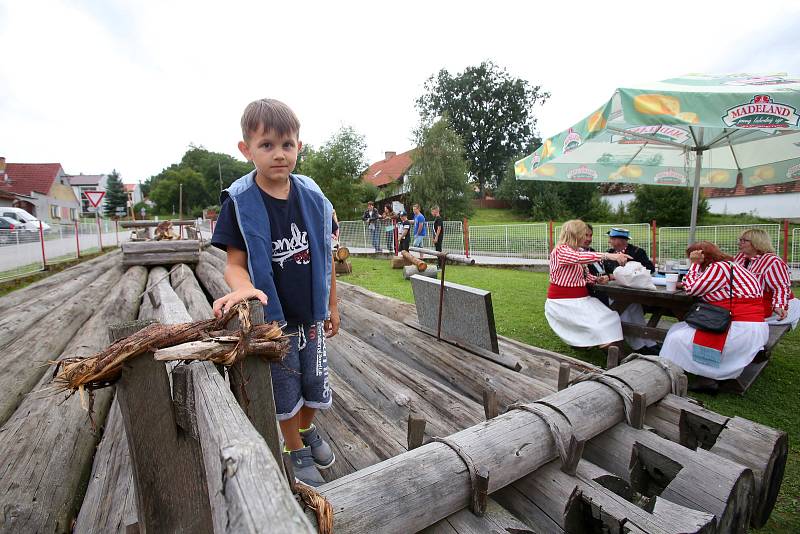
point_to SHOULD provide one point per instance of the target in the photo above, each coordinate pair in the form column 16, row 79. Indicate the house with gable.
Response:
column 391, row 176
column 42, row 189
column 88, row 182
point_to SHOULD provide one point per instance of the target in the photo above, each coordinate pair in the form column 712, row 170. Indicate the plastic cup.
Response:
column 672, row 281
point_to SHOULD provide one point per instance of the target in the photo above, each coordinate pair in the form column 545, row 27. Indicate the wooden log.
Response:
column 177, row 245
column 211, row 278
column 393, row 388
column 343, row 267
column 24, row 361
column 495, row 519
column 413, row 260
column 429, row 272
column 31, row 293
column 188, row 290
column 48, row 444
column 249, row 490
column 762, row 449
column 218, row 252
column 594, row 500
column 171, row 493
column 695, row 479
column 215, row 260
column 153, row 224
column 462, row 371
column 160, row 258
column 398, row 262
column 395, row 495
column 17, row 321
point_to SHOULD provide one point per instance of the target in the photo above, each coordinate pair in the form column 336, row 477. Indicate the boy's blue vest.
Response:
column 251, row 215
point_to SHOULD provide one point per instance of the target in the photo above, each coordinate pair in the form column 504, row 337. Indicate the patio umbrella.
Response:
column 697, row 130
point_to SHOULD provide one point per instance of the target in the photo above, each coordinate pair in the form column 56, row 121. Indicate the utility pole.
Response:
column 180, row 201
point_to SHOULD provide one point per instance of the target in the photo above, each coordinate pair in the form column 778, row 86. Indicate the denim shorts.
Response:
column 418, row 240
column 301, row 378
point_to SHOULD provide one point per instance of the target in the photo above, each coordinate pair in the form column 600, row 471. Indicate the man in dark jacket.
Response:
column 618, row 241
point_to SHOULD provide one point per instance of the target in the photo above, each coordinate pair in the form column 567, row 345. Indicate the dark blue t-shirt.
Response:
column 291, row 255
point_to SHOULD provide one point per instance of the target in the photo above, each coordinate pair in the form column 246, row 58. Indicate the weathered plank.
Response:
column 172, row 245
column 47, row 445
column 395, row 495
column 24, row 361
column 249, row 491
column 161, row 258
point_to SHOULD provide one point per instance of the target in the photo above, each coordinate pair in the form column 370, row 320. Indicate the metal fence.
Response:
column 794, row 258
column 23, row 252
column 641, row 235
column 510, row 240
column 672, row 241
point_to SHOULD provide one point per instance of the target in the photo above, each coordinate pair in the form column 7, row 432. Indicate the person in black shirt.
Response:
column 438, row 230
column 371, row 217
column 618, row 241
column 404, row 229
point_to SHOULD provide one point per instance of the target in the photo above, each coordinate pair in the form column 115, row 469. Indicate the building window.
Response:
column 73, row 214
column 54, row 212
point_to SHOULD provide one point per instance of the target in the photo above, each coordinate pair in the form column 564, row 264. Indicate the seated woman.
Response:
column 757, row 256
column 719, row 356
column 578, row 319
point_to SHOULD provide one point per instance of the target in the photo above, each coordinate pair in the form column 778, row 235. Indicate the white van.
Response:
column 28, row 221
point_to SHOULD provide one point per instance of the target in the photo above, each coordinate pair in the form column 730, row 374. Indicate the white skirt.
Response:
column 583, row 322
column 791, row 318
column 744, row 341
column 634, row 314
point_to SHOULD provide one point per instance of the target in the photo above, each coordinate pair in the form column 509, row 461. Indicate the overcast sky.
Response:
column 102, row 84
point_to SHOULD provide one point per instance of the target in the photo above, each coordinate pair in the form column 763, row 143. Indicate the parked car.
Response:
column 24, row 219
column 8, row 230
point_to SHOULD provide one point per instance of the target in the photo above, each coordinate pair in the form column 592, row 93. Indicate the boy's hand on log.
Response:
column 332, row 324
column 234, row 297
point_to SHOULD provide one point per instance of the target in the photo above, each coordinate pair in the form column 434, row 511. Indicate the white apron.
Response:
column 744, row 341
column 583, row 322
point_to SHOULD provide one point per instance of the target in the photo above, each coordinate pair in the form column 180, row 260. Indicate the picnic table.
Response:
column 661, row 303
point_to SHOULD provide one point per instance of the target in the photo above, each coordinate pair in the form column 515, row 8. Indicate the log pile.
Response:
column 422, row 431
column 168, row 252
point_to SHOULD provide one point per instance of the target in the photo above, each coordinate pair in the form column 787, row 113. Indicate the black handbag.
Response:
column 710, row 318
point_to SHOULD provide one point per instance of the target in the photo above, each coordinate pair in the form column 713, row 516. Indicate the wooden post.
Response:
column 563, row 375
column 490, row 401
column 465, row 227
column 613, row 357
column 416, row 430
column 251, row 384
column 171, row 489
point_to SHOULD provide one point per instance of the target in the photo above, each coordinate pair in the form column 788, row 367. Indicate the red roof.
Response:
column 130, row 187
column 23, row 178
column 387, row 171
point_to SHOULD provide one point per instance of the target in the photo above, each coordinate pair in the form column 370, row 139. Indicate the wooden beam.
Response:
column 153, row 224
column 173, row 245
column 416, row 430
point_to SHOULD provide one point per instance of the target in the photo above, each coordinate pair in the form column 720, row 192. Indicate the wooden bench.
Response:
column 741, row 383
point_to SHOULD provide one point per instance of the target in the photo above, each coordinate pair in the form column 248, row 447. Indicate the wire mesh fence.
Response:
column 641, row 235
column 794, row 258
column 517, row 240
column 672, row 240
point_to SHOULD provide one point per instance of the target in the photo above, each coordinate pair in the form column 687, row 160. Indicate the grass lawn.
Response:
column 518, row 298
column 487, row 216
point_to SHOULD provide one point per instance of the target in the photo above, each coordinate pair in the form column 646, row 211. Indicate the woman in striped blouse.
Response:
column 757, row 256
column 719, row 356
column 578, row 319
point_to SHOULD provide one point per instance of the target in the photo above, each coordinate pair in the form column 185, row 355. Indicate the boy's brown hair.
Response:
column 269, row 114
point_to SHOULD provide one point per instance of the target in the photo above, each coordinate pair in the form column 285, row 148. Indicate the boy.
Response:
column 420, row 230
column 276, row 228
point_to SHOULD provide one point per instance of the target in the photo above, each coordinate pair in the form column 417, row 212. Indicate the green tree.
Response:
column 116, row 197
column 166, row 192
column 491, row 112
column 337, row 168
column 440, row 171
column 670, row 206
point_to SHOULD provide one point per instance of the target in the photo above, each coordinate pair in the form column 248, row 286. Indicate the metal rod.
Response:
column 698, row 166
column 441, row 302
column 646, row 137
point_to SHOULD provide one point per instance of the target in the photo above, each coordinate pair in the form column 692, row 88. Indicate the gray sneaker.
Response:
column 323, row 455
column 304, row 469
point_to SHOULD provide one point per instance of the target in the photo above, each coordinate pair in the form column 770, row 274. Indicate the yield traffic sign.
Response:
column 95, row 197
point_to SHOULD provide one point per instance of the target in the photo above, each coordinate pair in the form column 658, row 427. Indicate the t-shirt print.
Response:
column 295, row 248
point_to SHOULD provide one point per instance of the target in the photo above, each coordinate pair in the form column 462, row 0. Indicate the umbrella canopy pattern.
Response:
column 654, row 135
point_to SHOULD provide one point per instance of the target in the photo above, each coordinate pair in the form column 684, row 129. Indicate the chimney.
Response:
column 390, row 155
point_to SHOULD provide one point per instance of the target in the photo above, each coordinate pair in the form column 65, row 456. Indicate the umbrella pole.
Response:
column 698, row 165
